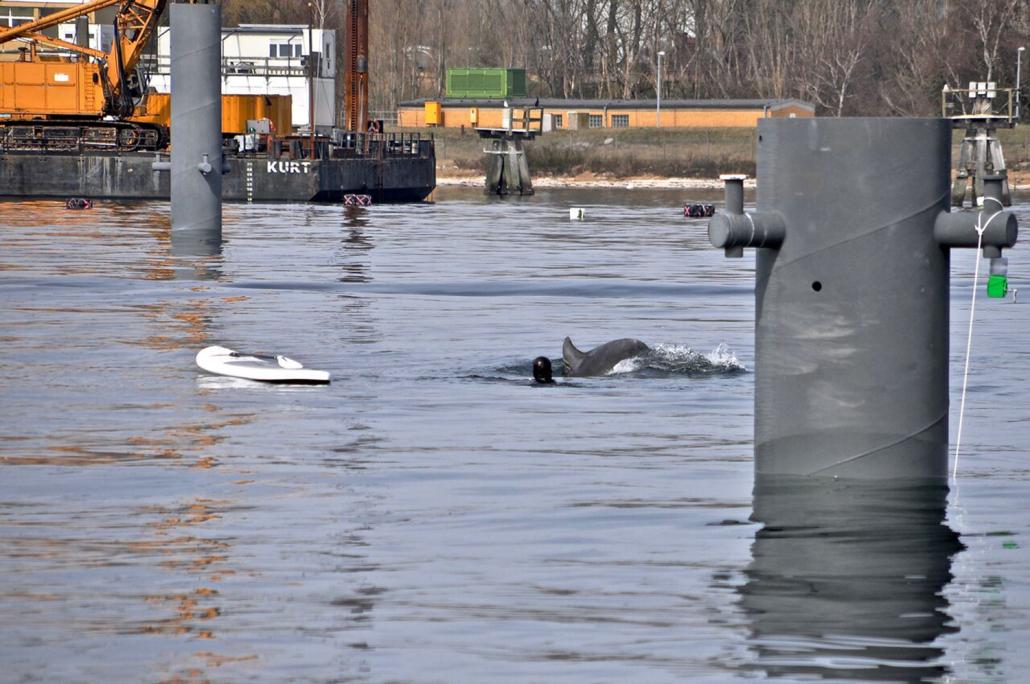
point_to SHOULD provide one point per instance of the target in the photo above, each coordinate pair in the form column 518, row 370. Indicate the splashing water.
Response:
column 678, row 359
column 629, row 365
column 663, row 360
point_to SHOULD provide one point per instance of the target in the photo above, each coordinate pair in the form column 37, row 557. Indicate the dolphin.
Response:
column 601, row 360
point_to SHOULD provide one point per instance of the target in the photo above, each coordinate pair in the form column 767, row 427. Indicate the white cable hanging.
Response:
column 980, row 228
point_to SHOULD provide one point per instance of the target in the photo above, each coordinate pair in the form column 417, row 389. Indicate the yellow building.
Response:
column 575, row 114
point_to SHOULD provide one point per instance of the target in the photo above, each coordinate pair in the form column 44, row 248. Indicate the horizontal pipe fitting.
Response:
column 757, row 229
column 958, row 229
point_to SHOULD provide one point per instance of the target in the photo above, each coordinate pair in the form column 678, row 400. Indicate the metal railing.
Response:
column 982, row 102
column 381, row 145
column 340, row 145
column 387, row 116
column 521, row 121
column 267, row 67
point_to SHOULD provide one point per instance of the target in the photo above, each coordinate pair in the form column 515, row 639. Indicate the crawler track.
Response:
column 72, row 136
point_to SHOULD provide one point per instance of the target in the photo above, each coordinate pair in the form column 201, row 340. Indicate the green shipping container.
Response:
column 486, row 83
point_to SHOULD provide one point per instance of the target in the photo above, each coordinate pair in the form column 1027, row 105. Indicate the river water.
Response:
column 432, row 516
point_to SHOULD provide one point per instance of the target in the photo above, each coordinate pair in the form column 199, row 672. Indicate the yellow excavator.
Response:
column 81, row 99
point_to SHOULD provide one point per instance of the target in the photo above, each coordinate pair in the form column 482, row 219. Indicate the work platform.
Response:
column 980, row 110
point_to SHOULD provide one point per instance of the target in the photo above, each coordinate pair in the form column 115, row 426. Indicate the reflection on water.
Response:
column 196, row 243
column 355, row 245
column 846, row 578
column 196, row 254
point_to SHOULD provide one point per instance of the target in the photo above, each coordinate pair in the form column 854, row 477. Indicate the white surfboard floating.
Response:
column 270, row 368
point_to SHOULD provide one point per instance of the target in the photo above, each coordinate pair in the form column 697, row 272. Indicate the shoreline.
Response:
column 1019, row 180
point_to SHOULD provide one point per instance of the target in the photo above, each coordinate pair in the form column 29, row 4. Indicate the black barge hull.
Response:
column 99, row 175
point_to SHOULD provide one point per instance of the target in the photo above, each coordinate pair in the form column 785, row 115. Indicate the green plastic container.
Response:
column 997, row 286
column 486, row 83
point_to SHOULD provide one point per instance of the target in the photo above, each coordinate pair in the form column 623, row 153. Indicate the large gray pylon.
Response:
column 852, row 294
column 196, row 157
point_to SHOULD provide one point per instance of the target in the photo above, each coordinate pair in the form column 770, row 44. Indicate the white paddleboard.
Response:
column 272, row 368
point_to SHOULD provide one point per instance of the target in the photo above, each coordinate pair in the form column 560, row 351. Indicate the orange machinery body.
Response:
column 236, row 111
column 79, row 98
column 51, row 89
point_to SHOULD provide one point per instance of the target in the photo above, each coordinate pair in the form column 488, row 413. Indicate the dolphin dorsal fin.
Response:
column 570, row 355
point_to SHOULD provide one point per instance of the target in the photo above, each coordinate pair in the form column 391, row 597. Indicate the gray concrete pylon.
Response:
column 853, row 236
column 196, row 156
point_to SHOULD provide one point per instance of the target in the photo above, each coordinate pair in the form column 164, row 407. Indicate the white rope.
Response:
column 969, row 336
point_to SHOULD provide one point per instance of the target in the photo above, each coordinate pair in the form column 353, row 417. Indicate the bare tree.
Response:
column 833, row 36
column 845, row 56
column 323, row 11
column 991, row 19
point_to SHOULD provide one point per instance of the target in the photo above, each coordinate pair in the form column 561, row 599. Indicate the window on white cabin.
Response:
column 282, row 49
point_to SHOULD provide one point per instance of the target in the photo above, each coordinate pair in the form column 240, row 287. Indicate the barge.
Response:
column 388, row 167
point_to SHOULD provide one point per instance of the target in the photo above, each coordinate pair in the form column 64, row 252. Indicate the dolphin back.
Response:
column 570, row 356
column 600, row 360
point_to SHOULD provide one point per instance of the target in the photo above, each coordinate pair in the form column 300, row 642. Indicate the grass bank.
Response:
column 648, row 152
column 618, row 153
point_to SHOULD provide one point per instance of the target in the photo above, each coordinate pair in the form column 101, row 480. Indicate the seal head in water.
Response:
column 542, row 370
column 601, row 360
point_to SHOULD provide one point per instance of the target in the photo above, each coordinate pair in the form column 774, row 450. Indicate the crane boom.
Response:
column 134, row 24
column 65, row 45
column 54, row 19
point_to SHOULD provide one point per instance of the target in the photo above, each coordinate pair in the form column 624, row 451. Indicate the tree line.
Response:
column 848, row 57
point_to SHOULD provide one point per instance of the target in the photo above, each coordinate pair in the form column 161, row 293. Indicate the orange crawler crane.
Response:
column 82, row 98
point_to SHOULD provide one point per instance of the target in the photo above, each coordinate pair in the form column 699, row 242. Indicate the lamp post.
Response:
column 1019, row 91
column 658, row 105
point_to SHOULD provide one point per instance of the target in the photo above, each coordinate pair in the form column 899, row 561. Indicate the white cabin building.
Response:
column 257, row 59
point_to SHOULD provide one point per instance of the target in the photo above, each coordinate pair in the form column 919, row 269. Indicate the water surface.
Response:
column 432, row 516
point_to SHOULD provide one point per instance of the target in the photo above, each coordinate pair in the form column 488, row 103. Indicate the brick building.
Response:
column 564, row 114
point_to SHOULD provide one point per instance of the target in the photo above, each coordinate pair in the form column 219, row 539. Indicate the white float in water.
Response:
column 577, row 214
column 270, row 368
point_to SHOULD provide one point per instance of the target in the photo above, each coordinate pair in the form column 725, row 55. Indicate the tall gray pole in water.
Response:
column 196, row 162
column 852, row 293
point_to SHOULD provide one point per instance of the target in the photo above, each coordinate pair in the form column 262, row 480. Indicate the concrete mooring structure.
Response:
column 507, row 171
column 853, row 235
